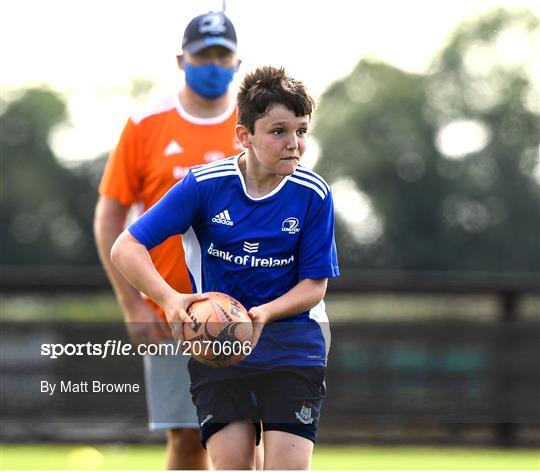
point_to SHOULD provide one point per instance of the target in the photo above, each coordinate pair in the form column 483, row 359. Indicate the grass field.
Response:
column 121, row 457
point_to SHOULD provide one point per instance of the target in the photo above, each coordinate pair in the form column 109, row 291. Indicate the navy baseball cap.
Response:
column 210, row 29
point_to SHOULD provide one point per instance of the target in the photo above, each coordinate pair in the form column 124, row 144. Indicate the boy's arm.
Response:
column 304, row 295
column 142, row 322
column 133, row 260
column 173, row 214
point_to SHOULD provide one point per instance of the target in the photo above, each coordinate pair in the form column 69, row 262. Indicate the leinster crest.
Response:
column 304, row 415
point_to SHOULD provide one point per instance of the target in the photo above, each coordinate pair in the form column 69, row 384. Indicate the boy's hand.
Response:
column 176, row 307
column 259, row 316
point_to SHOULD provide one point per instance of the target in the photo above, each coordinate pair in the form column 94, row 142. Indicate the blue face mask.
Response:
column 209, row 81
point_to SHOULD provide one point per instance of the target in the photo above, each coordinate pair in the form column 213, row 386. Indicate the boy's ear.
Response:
column 242, row 134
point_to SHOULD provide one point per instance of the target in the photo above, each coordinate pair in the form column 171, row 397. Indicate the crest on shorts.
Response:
column 304, row 415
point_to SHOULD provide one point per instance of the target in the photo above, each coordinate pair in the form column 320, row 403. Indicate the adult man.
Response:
column 156, row 149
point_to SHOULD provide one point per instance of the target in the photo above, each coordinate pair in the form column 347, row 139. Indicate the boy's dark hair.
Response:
column 268, row 86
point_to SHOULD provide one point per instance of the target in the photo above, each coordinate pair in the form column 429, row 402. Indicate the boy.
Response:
column 261, row 228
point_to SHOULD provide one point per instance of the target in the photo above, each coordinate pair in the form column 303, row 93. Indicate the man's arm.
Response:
column 142, row 322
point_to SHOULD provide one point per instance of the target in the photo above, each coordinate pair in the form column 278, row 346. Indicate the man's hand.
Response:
column 144, row 325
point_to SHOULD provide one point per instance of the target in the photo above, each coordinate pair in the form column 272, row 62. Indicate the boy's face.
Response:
column 279, row 140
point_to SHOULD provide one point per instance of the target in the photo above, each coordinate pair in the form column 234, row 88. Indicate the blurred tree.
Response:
column 46, row 209
column 446, row 160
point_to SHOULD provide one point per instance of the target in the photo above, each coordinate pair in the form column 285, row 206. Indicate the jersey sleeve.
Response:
column 317, row 251
column 171, row 215
column 122, row 177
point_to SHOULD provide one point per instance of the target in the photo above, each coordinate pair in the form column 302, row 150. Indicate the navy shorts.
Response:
column 286, row 399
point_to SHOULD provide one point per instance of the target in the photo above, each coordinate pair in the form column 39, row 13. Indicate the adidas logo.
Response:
column 223, row 218
column 208, row 418
column 173, row 148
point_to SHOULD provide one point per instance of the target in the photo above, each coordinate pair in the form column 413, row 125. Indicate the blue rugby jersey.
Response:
column 254, row 249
